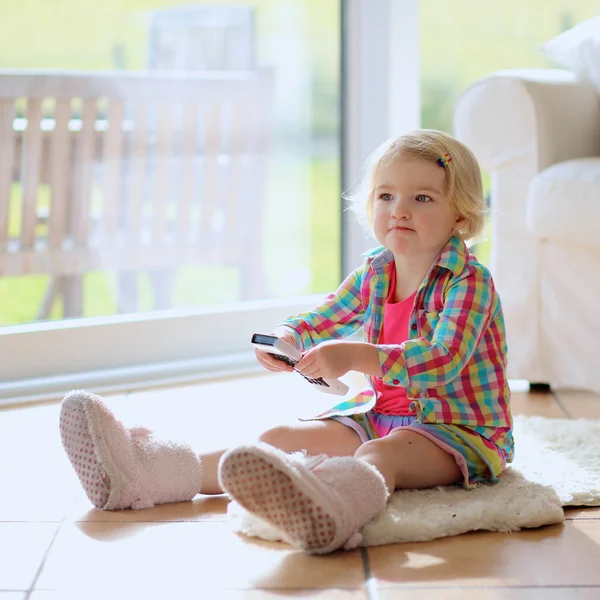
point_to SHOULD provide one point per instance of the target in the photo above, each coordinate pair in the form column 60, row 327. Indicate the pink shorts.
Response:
column 479, row 459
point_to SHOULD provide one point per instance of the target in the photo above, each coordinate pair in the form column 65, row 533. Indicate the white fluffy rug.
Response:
column 557, row 464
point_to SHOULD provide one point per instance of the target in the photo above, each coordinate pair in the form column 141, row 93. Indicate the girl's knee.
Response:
column 371, row 447
column 279, row 436
column 330, row 438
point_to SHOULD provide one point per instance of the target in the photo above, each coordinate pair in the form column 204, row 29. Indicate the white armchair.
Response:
column 537, row 132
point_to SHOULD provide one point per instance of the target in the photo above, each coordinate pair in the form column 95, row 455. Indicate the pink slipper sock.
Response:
column 318, row 503
column 124, row 468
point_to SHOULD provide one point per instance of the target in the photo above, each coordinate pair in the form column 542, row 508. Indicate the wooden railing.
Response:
column 142, row 171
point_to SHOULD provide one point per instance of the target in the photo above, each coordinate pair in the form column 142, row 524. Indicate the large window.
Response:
column 171, row 201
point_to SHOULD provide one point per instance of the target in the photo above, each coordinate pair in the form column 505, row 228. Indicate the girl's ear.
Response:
column 458, row 223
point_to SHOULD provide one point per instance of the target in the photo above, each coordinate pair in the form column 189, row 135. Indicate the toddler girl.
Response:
column 436, row 410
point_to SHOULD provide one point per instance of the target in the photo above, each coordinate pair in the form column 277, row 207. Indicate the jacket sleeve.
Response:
column 470, row 305
column 339, row 315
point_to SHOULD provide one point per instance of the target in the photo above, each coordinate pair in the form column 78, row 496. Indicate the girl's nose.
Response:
column 400, row 209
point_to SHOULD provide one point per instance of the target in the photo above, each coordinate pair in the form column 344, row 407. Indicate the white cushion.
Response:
column 564, row 202
column 578, row 50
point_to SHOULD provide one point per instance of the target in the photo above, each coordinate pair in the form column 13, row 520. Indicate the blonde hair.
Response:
column 463, row 185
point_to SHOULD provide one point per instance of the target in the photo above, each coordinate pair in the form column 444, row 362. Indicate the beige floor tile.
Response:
column 201, row 594
column 327, row 594
column 219, row 415
column 157, row 556
column 579, row 404
column 552, row 556
column 34, row 467
column 22, row 549
column 583, row 513
column 309, row 594
column 37, row 471
column 493, row 594
column 542, row 405
column 202, row 508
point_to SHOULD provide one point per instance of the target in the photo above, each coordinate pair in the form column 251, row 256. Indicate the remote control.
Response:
column 281, row 350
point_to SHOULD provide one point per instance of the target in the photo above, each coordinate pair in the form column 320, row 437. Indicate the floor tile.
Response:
column 161, row 556
column 202, row 508
column 560, row 555
column 580, row 404
column 202, row 594
column 218, row 415
column 583, row 513
column 308, row 594
column 22, row 549
column 326, row 594
column 38, row 473
column 542, row 405
column 492, row 594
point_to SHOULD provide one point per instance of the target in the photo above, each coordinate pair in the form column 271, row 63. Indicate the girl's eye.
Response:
column 423, row 198
column 386, row 197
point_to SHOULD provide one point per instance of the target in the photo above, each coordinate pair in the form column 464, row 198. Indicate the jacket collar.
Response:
column 453, row 256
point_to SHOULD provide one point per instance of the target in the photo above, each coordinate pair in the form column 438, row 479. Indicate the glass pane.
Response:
column 186, row 154
column 464, row 41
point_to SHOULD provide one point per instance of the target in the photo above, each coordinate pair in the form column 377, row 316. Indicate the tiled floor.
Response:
column 52, row 545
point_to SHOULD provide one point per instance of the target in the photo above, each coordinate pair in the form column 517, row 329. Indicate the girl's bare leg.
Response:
column 409, row 460
column 316, row 437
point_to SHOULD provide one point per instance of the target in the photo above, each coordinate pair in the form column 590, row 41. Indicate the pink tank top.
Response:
column 391, row 399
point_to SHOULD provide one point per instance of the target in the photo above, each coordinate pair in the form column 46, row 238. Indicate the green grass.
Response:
column 465, row 40
column 325, row 225
column 483, row 248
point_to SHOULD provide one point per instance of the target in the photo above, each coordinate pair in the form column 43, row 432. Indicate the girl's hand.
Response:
column 270, row 363
column 330, row 360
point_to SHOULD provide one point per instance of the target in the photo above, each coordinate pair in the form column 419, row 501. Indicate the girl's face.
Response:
column 410, row 211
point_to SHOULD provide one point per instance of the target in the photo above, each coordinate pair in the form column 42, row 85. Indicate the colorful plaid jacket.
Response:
column 454, row 363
